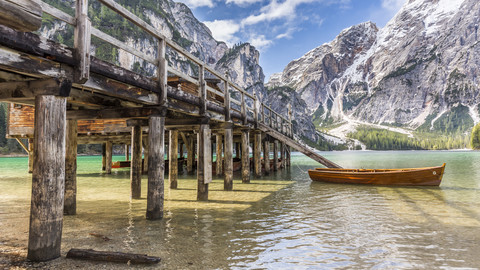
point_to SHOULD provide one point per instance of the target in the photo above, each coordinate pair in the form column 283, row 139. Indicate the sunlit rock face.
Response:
column 422, row 66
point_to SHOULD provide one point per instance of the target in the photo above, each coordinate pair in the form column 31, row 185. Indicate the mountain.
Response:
column 419, row 72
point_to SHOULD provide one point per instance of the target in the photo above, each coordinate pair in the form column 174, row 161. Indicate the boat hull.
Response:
column 430, row 176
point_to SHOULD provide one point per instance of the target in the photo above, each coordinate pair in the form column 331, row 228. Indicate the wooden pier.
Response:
column 61, row 97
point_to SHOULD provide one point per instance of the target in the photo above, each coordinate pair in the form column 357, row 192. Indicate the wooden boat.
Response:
column 429, row 176
column 121, row 164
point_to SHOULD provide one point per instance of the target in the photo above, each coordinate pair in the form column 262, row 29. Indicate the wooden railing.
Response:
column 259, row 112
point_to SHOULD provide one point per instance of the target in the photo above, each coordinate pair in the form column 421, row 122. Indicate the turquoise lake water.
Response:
column 281, row 221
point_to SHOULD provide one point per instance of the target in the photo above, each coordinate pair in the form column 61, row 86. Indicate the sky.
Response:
column 284, row 30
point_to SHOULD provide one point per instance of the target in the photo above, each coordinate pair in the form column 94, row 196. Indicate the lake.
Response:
column 281, row 221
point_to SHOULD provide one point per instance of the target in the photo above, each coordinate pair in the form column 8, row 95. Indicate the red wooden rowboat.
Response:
column 429, row 176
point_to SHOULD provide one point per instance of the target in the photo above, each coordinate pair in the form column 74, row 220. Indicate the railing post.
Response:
column 203, row 90
column 271, row 117
column 255, row 108
column 226, row 99
column 290, row 113
column 263, row 112
column 82, row 37
column 162, row 71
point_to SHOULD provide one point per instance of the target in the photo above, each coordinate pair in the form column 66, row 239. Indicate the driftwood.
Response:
column 109, row 256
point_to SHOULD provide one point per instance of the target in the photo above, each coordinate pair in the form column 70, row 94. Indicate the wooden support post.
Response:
column 237, row 150
column 156, row 167
column 173, row 158
column 70, row 205
column 136, row 163
column 289, row 157
column 48, row 179
column 282, row 154
column 104, row 156
column 162, row 71
column 266, row 156
column 190, row 153
column 228, row 178
column 180, row 150
column 245, row 156
column 275, row 155
column 257, row 152
column 145, row 157
column 202, row 87
column 204, row 162
column 108, row 157
column 127, row 152
column 82, row 38
column 30, row 155
column 219, row 162
column 226, row 99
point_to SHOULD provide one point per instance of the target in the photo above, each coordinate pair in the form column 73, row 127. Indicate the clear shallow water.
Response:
column 283, row 221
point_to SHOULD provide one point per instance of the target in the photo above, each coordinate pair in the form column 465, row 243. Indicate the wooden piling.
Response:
column 173, row 158
column 127, row 152
column 257, row 152
column 136, row 163
column 245, row 157
column 70, row 201
column 145, row 157
column 108, row 157
column 156, row 167
column 228, row 178
column 237, row 150
column 204, row 162
column 282, row 154
column 30, row 155
column 190, row 153
column 288, row 156
column 219, row 162
column 104, row 157
column 275, row 155
column 266, row 156
column 48, row 178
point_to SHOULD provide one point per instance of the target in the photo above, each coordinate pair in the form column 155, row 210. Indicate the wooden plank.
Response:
column 48, row 178
column 173, row 158
column 136, row 163
column 70, row 200
column 21, row 15
column 245, row 156
column 156, row 168
column 122, row 45
column 56, row 13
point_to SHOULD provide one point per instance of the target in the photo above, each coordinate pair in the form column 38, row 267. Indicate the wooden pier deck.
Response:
column 61, row 97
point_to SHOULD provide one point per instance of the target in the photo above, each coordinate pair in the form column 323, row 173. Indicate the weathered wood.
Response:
column 245, row 156
column 104, row 156
column 173, row 158
column 156, row 168
column 108, row 157
column 266, row 156
column 127, row 152
column 257, row 152
column 48, row 179
column 202, row 84
column 238, row 153
column 228, row 149
column 219, row 151
column 204, row 162
column 109, row 256
column 162, row 75
column 70, row 202
column 82, row 38
column 145, row 156
column 288, row 156
column 282, row 154
column 21, row 15
column 275, row 155
column 136, row 163
column 190, row 153
column 30, row 155
column 30, row 89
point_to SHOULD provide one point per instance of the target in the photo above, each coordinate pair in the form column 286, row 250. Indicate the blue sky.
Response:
column 284, row 30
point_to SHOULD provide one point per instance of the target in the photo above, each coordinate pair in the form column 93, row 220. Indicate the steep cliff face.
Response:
column 419, row 71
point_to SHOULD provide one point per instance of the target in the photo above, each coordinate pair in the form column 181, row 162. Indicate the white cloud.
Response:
column 393, row 5
column 275, row 10
column 260, row 42
column 243, row 2
column 224, row 30
column 197, row 3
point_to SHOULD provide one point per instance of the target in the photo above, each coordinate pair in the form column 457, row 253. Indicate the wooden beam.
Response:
column 48, row 178
column 156, row 168
column 136, row 163
column 257, row 152
column 228, row 148
column 30, row 89
column 245, row 156
column 70, row 201
column 173, row 158
column 266, row 156
column 219, row 151
column 21, row 15
column 108, row 157
column 117, row 113
column 204, row 162
column 22, row 145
